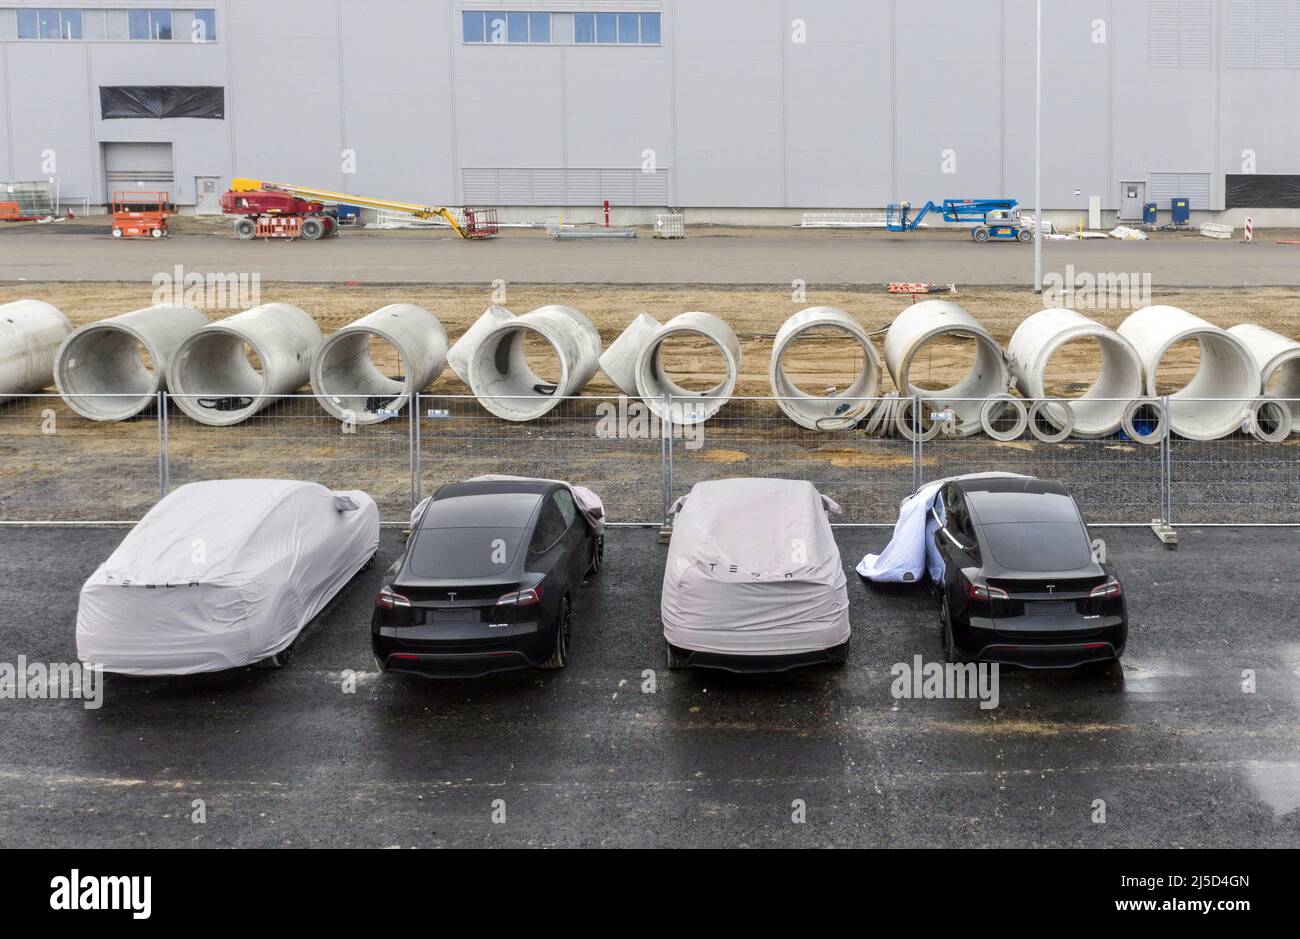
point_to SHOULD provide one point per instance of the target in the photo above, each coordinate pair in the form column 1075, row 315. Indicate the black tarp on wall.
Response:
column 1262, row 191
column 162, row 101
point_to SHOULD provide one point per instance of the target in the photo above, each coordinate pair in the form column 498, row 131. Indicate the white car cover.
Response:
column 753, row 569
column 221, row 574
column 589, row 504
column 910, row 550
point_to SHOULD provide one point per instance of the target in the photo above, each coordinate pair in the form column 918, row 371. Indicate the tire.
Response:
column 950, row 651
column 279, row 660
column 1025, row 236
column 980, row 234
column 117, row 233
column 312, row 228
column 560, row 654
column 370, row 563
column 838, row 657
column 156, row 233
column 597, row 557
column 245, row 229
column 676, row 659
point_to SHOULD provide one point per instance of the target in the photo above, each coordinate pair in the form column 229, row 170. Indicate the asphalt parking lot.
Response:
column 1180, row 755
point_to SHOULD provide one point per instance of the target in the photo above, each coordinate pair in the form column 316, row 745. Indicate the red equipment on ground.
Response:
column 270, row 214
column 141, row 214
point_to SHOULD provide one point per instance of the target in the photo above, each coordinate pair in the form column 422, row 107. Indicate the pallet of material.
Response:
column 1215, row 230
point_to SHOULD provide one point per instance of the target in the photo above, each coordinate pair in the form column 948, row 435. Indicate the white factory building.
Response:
column 734, row 110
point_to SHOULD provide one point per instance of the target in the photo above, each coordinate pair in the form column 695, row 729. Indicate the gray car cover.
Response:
column 221, row 574
column 753, row 569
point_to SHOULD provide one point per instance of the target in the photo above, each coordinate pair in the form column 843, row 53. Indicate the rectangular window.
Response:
column 94, row 26
column 138, row 24
column 496, row 27
column 49, row 23
column 629, row 29
column 516, row 27
column 29, row 25
column 584, row 27
column 473, row 25
column 539, row 25
column 116, row 24
column 71, row 24
column 650, row 34
column 607, row 27
column 160, row 22
column 206, row 20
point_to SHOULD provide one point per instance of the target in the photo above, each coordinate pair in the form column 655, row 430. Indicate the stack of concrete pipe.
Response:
column 31, row 332
column 1278, row 359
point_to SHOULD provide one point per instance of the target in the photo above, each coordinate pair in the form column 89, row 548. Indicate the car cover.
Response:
column 221, row 574
column 589, row 504
column 911, row 549
column 753, row 569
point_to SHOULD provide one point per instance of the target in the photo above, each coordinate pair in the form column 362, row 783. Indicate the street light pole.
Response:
column 1038, row 153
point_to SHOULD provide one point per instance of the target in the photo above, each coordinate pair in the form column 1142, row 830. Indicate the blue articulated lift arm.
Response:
column 897, row 216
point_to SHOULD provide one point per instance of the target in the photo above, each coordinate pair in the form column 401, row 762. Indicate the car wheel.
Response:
column 677, row 659
column 597, row 556
column 838, row 657
column 279, row 660
column 370, row 563
column 560, row 656
column 950, row 651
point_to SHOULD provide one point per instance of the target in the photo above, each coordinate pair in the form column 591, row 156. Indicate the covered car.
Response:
column 221, row 574
column 753, row 580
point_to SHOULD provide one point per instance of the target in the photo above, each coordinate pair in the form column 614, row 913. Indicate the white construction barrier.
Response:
column 501, row 378
column 830, row 411
column 350, row 385
column 212, row 379
column 1278, row 359
column 1099, row 411
column 1217, row 400
column 922, row 323
column 458, row 355
column 31, row 332
column 653, row 383
column 99, row 368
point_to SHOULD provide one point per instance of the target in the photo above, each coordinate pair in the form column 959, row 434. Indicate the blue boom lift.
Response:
column 994, row 218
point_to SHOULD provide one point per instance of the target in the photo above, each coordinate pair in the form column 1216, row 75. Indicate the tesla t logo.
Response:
column 451, row 595
column 1051, row 587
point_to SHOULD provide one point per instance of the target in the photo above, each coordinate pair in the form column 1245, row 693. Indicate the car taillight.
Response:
column 982, row 592
column 1109, row 590
column 522, row 598
column 387, row 600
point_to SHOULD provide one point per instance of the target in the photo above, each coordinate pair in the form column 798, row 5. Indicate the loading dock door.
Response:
column 139, row 167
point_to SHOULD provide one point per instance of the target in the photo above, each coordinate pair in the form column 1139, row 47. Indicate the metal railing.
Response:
column 59, row 467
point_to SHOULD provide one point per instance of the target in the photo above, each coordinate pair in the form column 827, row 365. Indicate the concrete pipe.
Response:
column 1099, row 411
column 350, row 385
column 830, row 411
column 920, row 324
column 459, row 355
column 501, row 377
column 619, row 360
column 100, row 370
column 1278, row 359
column 212, row 379
column 1217, row 399
column 30, row 334
column 653, row 383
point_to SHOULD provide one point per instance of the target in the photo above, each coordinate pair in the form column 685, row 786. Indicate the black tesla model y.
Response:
column 487, row 582
column 1021, row 583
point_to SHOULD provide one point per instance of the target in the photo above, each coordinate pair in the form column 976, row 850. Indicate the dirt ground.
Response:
column 815, row 364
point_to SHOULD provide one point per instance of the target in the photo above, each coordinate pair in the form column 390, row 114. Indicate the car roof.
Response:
column 1000, row 499
column 486, row 504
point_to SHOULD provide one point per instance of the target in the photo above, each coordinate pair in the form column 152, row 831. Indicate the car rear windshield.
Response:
column 1038, row 546
column 457, row 553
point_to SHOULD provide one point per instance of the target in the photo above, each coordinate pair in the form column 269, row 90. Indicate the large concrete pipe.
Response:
column 501, row 377
column 830, row 411
column 924, row 322
column 211, row 378
column 459, row 355
column 1099, row 411
column 1278, row 359
column 1226, row 382
column 619, row 360
column 350, row 385
column 30, row 334
column 653, row 383
column 100, row 370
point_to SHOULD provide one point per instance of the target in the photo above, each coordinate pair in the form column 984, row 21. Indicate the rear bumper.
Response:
column 452, row 665
column 1045, row 655
column 397, row 650
column 759, row 664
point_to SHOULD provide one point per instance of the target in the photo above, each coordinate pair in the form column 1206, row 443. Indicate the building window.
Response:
column 49, row 23
column 621, row 29
column 112, row 24
column 203, row 28
column 507, row 27
column 149, row 24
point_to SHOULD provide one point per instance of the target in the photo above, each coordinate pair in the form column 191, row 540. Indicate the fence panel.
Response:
column 866, row 474
column 609, row 444
column 295, row 438
column 1244, row 478
column 57, row 466
column 1115, row 480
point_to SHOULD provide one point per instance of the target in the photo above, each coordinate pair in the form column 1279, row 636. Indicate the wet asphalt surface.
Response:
column 1180, row 755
